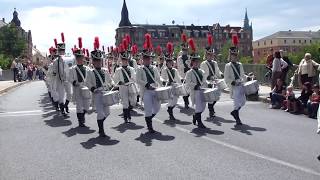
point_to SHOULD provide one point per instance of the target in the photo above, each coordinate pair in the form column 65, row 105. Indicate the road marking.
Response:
column 247, row 151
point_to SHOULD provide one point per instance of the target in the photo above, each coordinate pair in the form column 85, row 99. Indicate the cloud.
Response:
column 48, row 22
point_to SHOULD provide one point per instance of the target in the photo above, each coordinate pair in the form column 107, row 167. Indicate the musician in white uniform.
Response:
column 148, row 79
column 78, row 74
column 99, row 80
column 170, row 76
column 235, row 77
column 195, row 81
column 183, row 65
column 59, row 73
column 125, row 76
column 211, row 73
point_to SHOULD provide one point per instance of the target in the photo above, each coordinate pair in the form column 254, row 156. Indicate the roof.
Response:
column 2, row 23
column 293, row 34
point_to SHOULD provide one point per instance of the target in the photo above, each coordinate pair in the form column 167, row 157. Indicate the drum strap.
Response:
column 81, row 74
column 100, row 78
column 211, row 68
column 150, row 74
column 235, row 70
column 126, row 73
column 169, row 73
column 197, row 76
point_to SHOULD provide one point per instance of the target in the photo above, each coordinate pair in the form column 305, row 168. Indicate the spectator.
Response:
column 313, row 103
column 277, row 67
column 290, row 97
column 284, row 74
column 14, row 69
column 270, row 59
column 0, row 73
column 278, row 95
column 302, row 101
column 307, row 70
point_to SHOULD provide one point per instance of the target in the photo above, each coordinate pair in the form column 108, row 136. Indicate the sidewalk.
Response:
column 8, row 85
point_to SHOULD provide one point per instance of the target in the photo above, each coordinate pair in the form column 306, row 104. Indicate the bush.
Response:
column 5, row 62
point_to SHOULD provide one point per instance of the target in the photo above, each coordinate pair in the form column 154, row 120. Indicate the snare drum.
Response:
column 221, row 84
column 163, row 93
column 251, row 87
column 211, row 95
column 85, row 92
column 179, row 90
column 110, row 98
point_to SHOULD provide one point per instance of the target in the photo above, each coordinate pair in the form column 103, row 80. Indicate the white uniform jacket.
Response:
column 142, row 78
column 191, row 82
column 229, row 76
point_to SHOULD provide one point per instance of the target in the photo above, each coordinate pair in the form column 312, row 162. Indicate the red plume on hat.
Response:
column 192, row 45
column 170, row 48
column 121, row 48
column 125, row 43
column 87, row 52
column 184, row 37
column 83, row 50
column 235, row 39
column 55, row 42
column 210, row 39
column 148, row 44
column 96, row 43
column 80, row 42
column 62, row 37
column 159, row 50
column 128, row 38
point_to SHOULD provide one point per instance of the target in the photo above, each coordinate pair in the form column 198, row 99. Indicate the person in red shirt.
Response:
column 313, row 103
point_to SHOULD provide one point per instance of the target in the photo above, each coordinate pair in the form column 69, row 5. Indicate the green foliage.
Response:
column 224, row 53
column 313, row 49
column 5, row 62
column 246, row 60
column 12, row 43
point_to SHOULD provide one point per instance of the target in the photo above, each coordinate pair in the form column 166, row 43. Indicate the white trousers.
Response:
column 81, row 103
column 102, row 110
column 173, row 101
column 239, row 97
column 68, row 87
column 200, row 104
column 127, row 98
column 60, row 92
column 151, row 103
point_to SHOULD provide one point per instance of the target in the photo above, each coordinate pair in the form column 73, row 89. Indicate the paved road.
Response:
column 35, row 143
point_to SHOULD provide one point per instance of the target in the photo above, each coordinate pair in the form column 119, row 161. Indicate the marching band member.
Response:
column 170, row 76
column 99, row 80
column 211, row 72
column 194, row 82
column 125, row 76
column 235, row 77
column 183, row 65
column 60, row 75
column 51, row 80
column 78, row 74
column 148, row 79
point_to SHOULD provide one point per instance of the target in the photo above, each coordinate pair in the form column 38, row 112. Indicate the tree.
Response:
column 224, row 53
column 12, row 43
column 246, row 60
column 314, row 49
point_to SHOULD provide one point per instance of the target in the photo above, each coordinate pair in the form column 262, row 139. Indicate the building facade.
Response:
column 290, row 41
column 161, row 34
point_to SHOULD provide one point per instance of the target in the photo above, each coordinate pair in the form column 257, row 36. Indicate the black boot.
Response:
column 80, row 117
column 211, row 110
column 149, row 124
column 200, row 124
column 138, row 98
column 129, row 115
column 238, row 121
column 56, row 105
column 194, row 119
column 62, row 109
column 170, row 112
column 125, row 115
column 153, row 115
column 186, row 101
column 66, row 106
column 101, row 128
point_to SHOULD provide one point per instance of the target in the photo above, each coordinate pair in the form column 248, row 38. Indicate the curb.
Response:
column 263, row 99
column 12, row 87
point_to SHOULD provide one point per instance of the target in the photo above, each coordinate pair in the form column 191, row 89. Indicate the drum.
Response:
column 179, row 90
column 251, row 87
column 211, row 95
column 85, row 92
column 133, row 88
column 110, row 98
column 163, row 93
column 221, row 84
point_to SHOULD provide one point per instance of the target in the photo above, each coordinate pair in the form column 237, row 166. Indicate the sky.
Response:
column 89, row 18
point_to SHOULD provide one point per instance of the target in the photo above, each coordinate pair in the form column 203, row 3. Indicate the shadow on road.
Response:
column 219, row 120
column 58, row 121
column 245, row 129
column 189, row 111
column 92, row 142
column 204, row 132
column 78, row 130
column 173, row 123
column 127, row 126
column 147, row 138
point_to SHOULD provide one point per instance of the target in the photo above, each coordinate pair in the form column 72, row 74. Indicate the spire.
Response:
column 246, row 21
column 15, row 20
column 124, row 15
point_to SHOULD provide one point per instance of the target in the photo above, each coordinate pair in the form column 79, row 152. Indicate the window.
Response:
column 258, row 43
column 294, row 41
column 310, row 41
column 285, row 41
column 264, row 43
column 299, row 41
column 305, row 41
column 271, row 42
